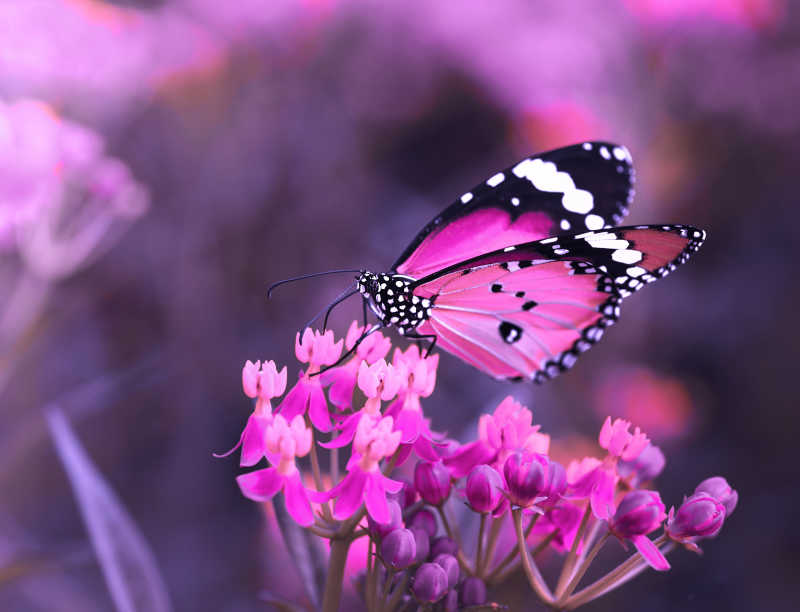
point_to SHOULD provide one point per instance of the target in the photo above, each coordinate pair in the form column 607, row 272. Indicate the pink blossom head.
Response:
column 527, row 478
column 317, row 349
column 700, row 516
column 420, row 371
column 619, row 442
column 263, row 380
column 639, row 513
column 373, row 347
column 718, row 488
column 379, row 380
column 375, row 440
column 510, row 429
column 288, row 441
column 432, row 481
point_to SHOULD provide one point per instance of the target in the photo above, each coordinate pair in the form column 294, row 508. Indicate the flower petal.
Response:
column 295, row 401
column 351, row 491
column 318, row 408
column 253, row 440
column 410, row 424
column 651, row 553
column 261, row 485
column 461, row 462
column 375, row 499
column 348, row 432
column 297, row 503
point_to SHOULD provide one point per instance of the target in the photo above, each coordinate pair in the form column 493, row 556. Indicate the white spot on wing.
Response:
column 627, row 256
column 565, row 225
column 546, row 177
column 549, row 240
column 496, row 179
column 635, row 271
column 466, row 197
column 604, row 153
column 508, row 249
column 514, row 201
column 587, row 146
column 594, row 222
column 621, row 153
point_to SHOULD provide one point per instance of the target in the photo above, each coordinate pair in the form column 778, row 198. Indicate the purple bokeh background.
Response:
column 279, row 138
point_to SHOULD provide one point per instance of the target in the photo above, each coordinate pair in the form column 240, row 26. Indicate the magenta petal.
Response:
column 341, row 391
column 351, row 491
column 409, row 423
column 261, row 485
column 402, row 454
column 375, row 499
column 603, row 495
column 347, row 434
column 650, row 552
column 389, row 484
column 318, row 408
column 425, row 449
column 295, row 401
column 297, row 503
column 238, row 444
column 253, row 440
column 468, row 456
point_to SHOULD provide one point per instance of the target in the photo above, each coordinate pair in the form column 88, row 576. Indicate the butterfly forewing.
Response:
column 529, row 310
column 580, row 187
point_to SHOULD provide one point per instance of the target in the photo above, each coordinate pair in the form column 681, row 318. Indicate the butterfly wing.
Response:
column 584, row 186
column 529, row 310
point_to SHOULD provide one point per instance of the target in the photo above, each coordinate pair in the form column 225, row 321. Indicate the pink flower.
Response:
column 506, row 431
column 619, row 442
column 700, row 516
column 317, row 350
column 374, row 440
column 285, row 442
column 639, row 513
column 527, row 478
column 563, row 518
column 342, row 380
column 261, row 382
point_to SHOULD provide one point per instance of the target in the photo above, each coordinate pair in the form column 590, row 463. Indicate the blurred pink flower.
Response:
column 639, row 513
column 364, row 483
column 616, row 438
column 750, row 13
column 284, row 443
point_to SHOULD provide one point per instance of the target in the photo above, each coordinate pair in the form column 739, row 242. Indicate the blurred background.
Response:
column 163, row 161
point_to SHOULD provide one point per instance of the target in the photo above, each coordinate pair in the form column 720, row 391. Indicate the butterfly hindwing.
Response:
column 529, row 310
column 583, row 186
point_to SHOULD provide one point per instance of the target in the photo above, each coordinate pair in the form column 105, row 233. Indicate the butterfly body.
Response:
column 391, row 298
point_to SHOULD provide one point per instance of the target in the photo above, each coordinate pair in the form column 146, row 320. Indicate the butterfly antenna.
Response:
column 274, row 286
column 327, row 310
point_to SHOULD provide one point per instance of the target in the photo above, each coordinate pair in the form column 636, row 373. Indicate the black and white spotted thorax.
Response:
column 391, row 298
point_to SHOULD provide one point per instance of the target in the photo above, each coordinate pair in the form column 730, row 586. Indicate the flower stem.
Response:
column 569, row 563
column 479, row 553
column 454, row 535
column 581, row 570
column 398, row 593
column 333, row 582
column 501, row 572
column 491, row 545
column 529, row 565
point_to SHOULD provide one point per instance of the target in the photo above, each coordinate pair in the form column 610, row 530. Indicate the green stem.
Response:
column 333, row 582
column 576, row 578
column 529, row 565
column 569, row 563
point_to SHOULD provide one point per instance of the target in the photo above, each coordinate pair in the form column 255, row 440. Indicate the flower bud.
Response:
column 526, row 477
column 399, row 549
column 700, row 516
column 646, row 467
column 430, row 582
column 443, row 545
column 406, row 496
column 484, row 488
column 450, row 565
column 432, row 481
column 640, row 512
column 558, row 482
column 450, row 603
column 383, row 529
column 718, row 488
column 423, row 544
column 424, row 520
column 473, row 592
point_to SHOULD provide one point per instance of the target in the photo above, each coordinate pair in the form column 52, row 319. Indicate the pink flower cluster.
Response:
column 373, row 407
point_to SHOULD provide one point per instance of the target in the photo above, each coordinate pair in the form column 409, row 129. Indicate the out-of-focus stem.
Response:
column 454, row 535
column 479, row 553
column 398, row 593
column 581, row 570
column 569, row 563
column 333, row 582
column 501, row 572
column 529, row 565
column 491, row 545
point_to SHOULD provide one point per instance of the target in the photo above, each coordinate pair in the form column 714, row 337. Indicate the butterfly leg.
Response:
column 431, row 337
column 352, row 350
column 364, row 309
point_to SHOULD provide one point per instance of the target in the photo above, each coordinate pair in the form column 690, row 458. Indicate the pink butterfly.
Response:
column 523, row 273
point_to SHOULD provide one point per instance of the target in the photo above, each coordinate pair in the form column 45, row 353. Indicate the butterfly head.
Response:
column 368, row 284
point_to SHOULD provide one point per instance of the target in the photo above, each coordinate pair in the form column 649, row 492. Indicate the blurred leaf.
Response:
column 128, row 564
column 304, row 549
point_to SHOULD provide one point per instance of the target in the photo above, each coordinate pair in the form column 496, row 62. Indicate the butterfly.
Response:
column 523, row 273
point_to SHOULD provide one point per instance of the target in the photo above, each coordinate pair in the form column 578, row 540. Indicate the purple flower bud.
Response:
column 484, row 488
column 450, row 565
column 432, row 481
column 424, row 519
column 646, row 467
column 423, row 544
column 383, row 529
column 526, row 477
column 718, row 488
column 473, row 592
column 639, row 513
column 430, row 582
column 558, row 481
column 406, row 496
column 700, row 516
column 399, row 549
column 443, row 546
